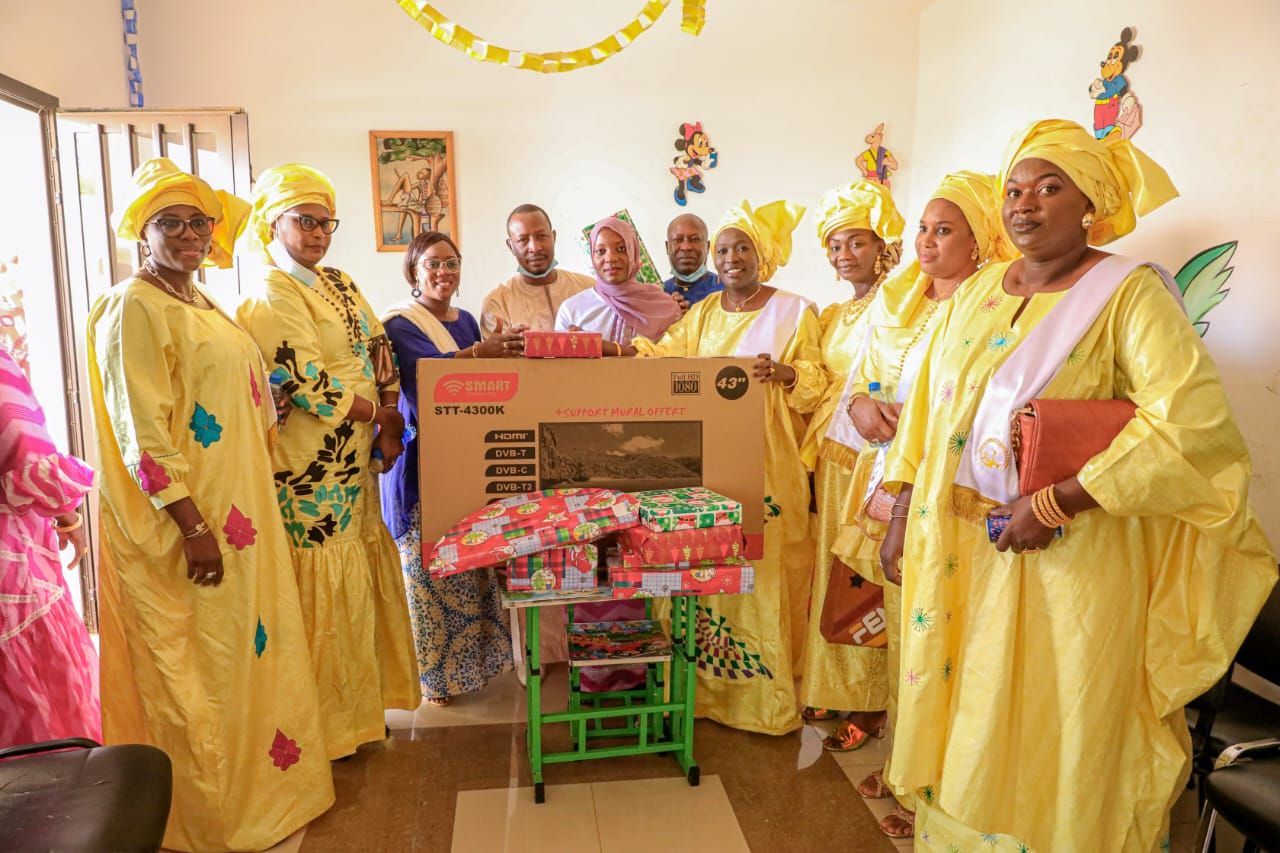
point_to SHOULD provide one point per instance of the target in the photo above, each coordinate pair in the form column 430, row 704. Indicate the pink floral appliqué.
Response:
column 151, row 476
column 253, row 388
column 284, row 751
column 239, row 529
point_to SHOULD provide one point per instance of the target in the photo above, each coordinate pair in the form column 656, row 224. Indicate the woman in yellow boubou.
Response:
column 322, row 341
column 204, row 653
column 1043, row 679
column 860, row 228
column 748, row 642
column 959, row 230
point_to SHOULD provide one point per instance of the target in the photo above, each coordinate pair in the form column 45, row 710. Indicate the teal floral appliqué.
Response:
column 205, row 427
column 260, row 639
column 1001, row 341
column 921, row 620
column 956, row 443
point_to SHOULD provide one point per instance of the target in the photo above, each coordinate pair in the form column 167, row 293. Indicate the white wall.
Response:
column 786, row 98
column 1208, row 84
column 72, row 49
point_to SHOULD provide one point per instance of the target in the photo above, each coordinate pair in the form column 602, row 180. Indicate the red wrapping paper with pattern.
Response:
column 526, row 524
column 664, row 583
column 639, row 547
column 563, row 344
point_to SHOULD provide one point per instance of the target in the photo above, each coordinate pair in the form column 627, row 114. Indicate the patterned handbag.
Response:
column 384, row 362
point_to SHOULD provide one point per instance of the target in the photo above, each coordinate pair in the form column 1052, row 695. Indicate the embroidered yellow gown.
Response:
column 745, row 642
column 1040, row 704
column 217, row 677
column 347, row 566
column 848, row 678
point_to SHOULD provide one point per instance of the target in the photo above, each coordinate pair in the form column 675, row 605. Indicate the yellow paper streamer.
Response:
column 460, row 38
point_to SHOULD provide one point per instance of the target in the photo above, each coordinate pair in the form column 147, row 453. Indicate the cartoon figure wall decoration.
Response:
column 696, row 153
column 877, row 162
column 1202, row 281
column 1115, row 106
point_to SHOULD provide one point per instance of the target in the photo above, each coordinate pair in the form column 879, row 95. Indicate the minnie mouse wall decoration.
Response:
column 695, row 153
column 1115, row 106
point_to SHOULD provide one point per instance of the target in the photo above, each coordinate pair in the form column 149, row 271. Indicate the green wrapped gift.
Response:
column 689, row 508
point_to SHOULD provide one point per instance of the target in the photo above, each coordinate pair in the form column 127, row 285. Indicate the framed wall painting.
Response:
column 414, row 188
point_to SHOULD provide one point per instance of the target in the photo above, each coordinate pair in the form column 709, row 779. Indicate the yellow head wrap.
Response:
column 769, row 229
column 159, row 183
column 861, row 204
column 975, row 194
column 1121, row 181
column 282, row 187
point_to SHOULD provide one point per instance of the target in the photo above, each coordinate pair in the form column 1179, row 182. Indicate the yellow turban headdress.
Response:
column 282, row 187
column 861, row 204
column 769, row 229
column 1121, row 181
column 976, row 196
column 159, row 183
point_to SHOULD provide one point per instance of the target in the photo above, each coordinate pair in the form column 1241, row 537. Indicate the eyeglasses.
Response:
column 452, row 264
column 172, row 226
column 310, row 223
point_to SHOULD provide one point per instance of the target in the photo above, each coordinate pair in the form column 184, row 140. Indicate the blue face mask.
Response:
column 691, row 277
column 535, row 275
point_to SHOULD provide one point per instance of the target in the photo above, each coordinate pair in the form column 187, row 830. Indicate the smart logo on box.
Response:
column 476, row 387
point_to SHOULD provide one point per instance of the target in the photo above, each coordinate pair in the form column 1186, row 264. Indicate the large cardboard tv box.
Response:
column 492, row 428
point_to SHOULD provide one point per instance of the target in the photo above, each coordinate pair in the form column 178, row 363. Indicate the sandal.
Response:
column 904, row 827
column 440, row 702
column 845, row 738
column 817, row 715
column 873, row 787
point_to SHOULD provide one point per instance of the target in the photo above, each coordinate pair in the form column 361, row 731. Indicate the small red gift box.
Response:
column 710, row 546
column 664, row 583
column 563, row 345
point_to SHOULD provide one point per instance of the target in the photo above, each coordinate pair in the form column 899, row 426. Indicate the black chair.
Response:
column 73, row 794
column 1242, row 734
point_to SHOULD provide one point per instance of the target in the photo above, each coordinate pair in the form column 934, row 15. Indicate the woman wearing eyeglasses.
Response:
column 329, row 355
column 203, row 648
column 462, row 637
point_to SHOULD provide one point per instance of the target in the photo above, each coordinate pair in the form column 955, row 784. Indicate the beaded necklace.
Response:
column 342, row 302
column 854, row 308
column 915, row 339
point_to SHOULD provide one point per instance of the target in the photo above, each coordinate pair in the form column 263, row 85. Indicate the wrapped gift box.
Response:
column 571, row 568
column 530, row 523
column 639, row 547
column 692, row 508
column 563, row 345
column 664, row 583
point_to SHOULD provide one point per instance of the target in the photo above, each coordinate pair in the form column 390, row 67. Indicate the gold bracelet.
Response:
column 75, row 525
column 1052, row 496
column 1037, row 507
column 196, row 532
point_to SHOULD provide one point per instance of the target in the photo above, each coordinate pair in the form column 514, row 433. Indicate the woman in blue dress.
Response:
column 460, row 631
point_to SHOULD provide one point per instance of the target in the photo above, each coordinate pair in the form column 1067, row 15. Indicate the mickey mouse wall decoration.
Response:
column 696, row 152
column 1115, row 105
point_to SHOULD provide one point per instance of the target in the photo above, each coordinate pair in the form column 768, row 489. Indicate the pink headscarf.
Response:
column 643, row 307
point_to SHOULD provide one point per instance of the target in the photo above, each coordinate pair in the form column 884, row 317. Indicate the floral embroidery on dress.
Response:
column 921, row 620
column 951, row 565
column 927, row 793
column 957, row 442
column 948, row 392
column 253, row 387
column 1076, row 356
column 205, row 427
column 947, row 669
column 991, row 838
column 239, row 529
column 151, row 477
column 992, row 302
column 1001, row 341
column 911, row 678
column 284, row 751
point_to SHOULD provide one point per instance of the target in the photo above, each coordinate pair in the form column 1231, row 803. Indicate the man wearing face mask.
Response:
column 533, row 295
column 687, row 247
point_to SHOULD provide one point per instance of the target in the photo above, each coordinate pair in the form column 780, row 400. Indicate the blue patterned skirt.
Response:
column 461, row 632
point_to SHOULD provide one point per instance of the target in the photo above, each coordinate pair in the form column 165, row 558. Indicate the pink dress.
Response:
column 48, row 667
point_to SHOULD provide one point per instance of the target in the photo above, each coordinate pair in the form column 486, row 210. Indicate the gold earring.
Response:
column 1087, row 222
column 974, row 253
column 879, row 267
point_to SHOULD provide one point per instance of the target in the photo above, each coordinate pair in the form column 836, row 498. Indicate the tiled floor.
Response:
column 457, row 779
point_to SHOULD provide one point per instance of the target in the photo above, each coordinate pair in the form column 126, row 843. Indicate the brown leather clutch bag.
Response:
column 1054, row 439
